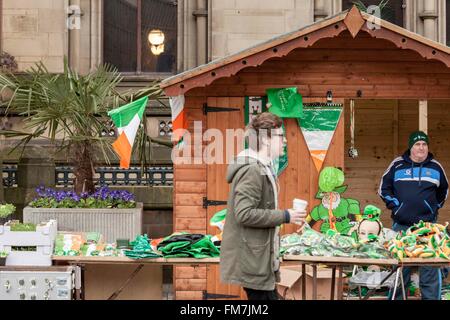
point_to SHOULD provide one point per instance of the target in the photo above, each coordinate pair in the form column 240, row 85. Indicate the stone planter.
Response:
column 113, row 224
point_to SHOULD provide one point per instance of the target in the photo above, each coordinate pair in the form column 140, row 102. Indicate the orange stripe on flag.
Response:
column 179, row 123
column 318, row 157
column 123, row 149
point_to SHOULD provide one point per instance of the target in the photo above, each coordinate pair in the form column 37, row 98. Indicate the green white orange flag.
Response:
column 179, row 120
column 127, row 120
column 318, row 127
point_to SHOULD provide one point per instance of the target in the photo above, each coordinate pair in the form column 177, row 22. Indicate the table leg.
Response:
column 118, row 291
column 303, row 281
column 397, row 277
column 340, row 283
column 314, row 282
column 402, row 283
column 78, row 282
column 83, row 284
column 333, row 283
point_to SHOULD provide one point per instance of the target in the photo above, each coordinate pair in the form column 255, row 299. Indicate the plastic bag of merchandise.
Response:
column 321, row 250
column 68, row 244
column 340, row 242
column 310, row 237
column 374, row 251
column 290, row 240
column 387, row 235
column 298, row 251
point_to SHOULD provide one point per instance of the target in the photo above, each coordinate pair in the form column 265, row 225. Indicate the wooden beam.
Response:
column 423, row 115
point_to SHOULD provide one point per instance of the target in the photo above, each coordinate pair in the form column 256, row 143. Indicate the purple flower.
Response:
column 114, row 197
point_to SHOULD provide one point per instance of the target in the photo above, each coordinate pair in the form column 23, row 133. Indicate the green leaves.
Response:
column 6, row 210
column 70, row 109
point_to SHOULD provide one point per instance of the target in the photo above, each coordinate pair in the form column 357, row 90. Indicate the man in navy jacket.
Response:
column 414, row 188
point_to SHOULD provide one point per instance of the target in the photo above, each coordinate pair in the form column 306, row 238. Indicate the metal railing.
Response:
column 104, row 176
column 113, row 176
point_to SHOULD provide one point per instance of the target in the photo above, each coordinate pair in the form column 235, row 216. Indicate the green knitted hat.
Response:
column 416, row 137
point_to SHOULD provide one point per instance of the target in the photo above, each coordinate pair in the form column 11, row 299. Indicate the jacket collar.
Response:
column 407, row 157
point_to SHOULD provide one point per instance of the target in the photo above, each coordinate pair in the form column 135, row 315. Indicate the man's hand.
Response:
column 297, row 217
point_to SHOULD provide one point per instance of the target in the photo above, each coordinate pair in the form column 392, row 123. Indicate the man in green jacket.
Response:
column 250, row 246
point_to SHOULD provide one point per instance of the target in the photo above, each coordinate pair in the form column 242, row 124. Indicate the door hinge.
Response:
column 207, row 109
column 209, row 203
column 207, row 296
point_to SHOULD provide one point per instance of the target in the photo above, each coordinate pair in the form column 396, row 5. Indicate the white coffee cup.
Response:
column 299, row 204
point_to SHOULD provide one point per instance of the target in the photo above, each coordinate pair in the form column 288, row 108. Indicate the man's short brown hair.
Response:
column 262, row 125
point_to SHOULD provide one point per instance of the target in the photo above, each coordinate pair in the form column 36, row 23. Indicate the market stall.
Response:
column 345, row 57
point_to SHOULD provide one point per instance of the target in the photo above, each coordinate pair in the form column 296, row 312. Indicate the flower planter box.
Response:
column 43, row 239
column 113, row 224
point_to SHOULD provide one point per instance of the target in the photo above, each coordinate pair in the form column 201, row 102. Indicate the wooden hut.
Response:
column 399, row 80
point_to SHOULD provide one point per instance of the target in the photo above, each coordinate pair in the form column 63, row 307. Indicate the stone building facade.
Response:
column 48, row 30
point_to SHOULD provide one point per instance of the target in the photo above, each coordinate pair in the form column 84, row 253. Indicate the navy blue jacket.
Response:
column 414, row 191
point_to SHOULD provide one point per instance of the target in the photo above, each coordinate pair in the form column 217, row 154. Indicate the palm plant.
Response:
column 386, row 11
column 70, row 110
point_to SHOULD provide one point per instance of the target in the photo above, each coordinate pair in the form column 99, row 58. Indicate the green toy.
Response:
column 371, row 213
column 369, row 228
column 335, row 212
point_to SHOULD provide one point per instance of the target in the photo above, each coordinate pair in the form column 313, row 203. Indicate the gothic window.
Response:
column 140, row 36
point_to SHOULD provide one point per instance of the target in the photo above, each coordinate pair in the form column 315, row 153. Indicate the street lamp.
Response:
column 156, row 39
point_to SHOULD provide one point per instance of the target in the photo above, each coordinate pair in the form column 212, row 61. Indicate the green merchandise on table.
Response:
column 182, row 245
column 141, row 249
column 423, row 240
column 331, row 244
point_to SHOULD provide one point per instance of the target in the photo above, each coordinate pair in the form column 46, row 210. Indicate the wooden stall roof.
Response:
column 352, row 20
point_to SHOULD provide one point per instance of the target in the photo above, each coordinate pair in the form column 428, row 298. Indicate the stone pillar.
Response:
column 201, row 15
column 75, row 37
column 96, row 48
column 320, row 11
column 325, row 8
column 187, row 30
column 429, row 16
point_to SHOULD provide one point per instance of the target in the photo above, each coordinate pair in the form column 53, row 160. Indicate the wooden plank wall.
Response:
column 300, row 179
column 189, row 215
column 218, row 188
column 382, row 129
column 439, row 132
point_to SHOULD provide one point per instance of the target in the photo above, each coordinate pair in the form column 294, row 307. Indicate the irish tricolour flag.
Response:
column 127, row 120
column 179, row 120
column 318, row 129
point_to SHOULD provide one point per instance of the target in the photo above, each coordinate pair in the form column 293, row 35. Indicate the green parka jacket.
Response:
column 250, row 246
